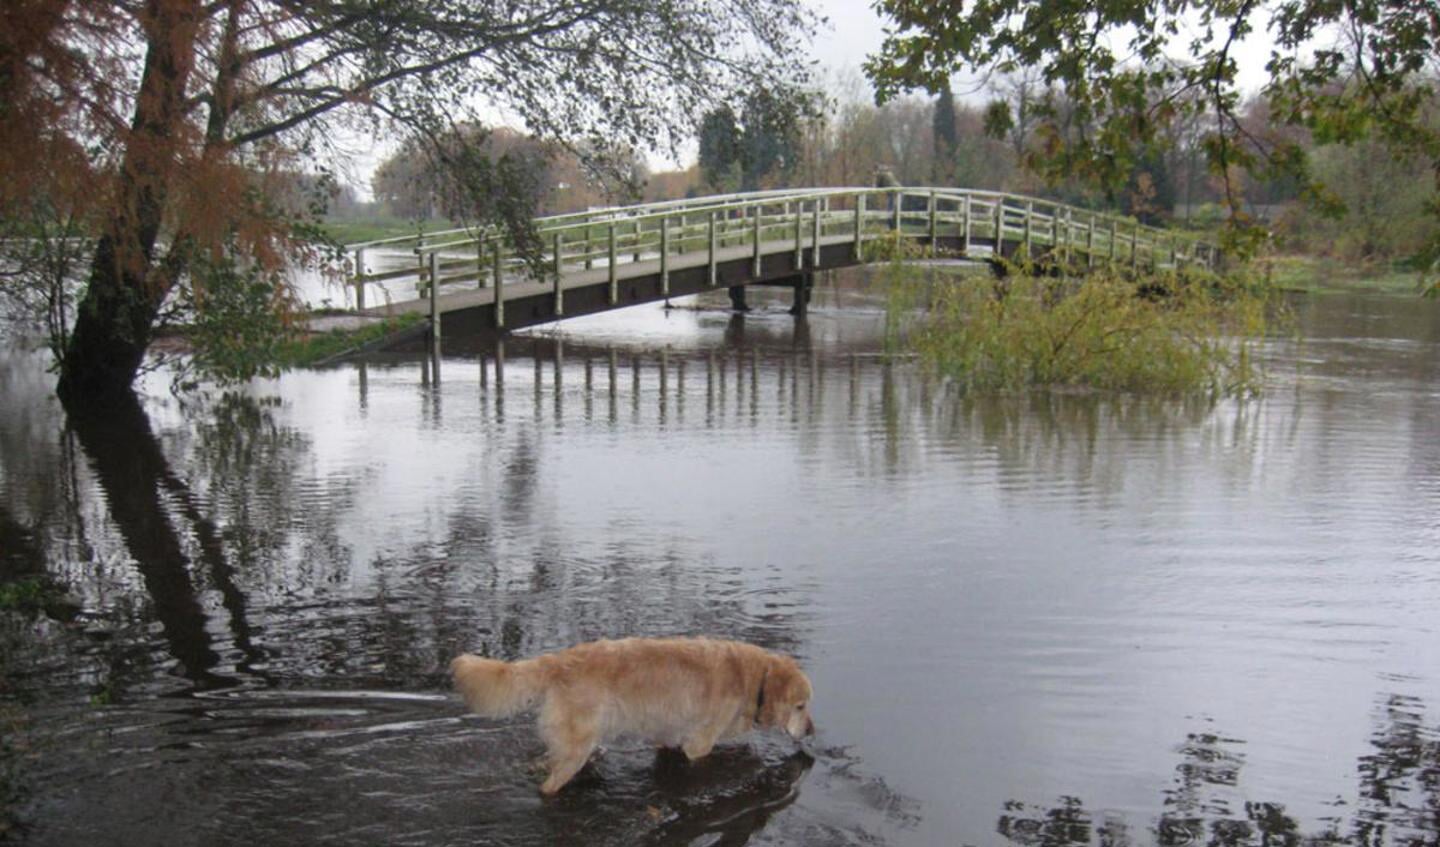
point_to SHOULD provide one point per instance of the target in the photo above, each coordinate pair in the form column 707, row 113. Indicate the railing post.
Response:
column 1114, row 238
column 499, row 264
column 559, row 288
column 965, row 232
column 1066, row 235
column 713, row 271
column 665, row 256
column 1135, row 247
column 859, row 227
column 435, row 301
column 614, row 278
column 1029, row 226
column 1090, row 241
column 932, row 210
column 999, row 226
column 815, row 237
column 359, row 278
column 420, row 262
column 799, row 252
column 635, row 257
column 755, row 236
column 480, row 262
column 897, row 199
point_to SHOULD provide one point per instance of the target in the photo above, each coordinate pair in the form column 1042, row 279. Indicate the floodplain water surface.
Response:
column 1050, row 618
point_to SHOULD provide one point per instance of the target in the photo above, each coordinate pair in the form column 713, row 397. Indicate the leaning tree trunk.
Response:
column 114, row 322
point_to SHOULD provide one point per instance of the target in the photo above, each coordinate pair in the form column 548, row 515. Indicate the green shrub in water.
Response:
column 1166, row 333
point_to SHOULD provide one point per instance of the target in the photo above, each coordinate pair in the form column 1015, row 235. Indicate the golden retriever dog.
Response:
column 685, row 692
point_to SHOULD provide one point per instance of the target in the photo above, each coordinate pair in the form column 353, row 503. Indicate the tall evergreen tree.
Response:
column 945, row 134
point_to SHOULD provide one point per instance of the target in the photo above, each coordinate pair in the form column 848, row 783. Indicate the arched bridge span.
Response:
column 611, row 258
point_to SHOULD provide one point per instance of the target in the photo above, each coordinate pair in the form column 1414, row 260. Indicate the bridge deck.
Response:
column 517, row 287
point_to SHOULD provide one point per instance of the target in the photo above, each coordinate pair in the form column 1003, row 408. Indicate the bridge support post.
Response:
column 712, row 269
column 559, row 288
column 665, row 257
column 359, row 278
column 737, row 298
column 610, row 257
column 499, row 370
column 755, row 239
column 803, row 285
column 499, row 260
column 859, row 227
column 435, row 303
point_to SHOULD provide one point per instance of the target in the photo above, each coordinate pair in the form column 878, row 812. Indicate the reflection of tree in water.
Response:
column 1400, row 781
column 242, row 560
column 1398, row 801
column 168, row 532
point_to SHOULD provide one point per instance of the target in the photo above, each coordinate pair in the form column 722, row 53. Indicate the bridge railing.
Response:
column 767, row 222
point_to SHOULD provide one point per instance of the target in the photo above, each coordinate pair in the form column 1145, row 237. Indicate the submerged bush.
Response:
column 1166, row 333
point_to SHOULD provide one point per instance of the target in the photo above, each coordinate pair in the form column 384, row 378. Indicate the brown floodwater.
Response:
column 1050, row 618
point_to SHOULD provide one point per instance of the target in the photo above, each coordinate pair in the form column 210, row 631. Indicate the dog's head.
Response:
column 785, row 698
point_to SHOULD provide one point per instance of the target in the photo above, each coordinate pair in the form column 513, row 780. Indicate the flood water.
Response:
column 1042, row 619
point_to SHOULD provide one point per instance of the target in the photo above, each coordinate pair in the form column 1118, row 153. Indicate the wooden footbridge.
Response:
column 467, row 281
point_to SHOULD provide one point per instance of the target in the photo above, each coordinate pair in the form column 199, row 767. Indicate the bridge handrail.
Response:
column 648, row 229
column 654, row 211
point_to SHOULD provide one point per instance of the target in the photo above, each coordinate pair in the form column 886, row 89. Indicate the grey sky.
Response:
column 856, row 30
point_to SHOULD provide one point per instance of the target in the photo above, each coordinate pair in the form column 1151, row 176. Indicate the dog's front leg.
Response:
column 699, row 745
column 571, row 736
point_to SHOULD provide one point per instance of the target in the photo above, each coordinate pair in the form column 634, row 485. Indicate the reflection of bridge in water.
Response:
column 565, row 380
column 611, row 258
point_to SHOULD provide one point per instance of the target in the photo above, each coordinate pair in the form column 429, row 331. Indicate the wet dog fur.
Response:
column 673, row 692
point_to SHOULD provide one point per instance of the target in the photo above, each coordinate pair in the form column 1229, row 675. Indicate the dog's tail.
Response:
column 497, row 689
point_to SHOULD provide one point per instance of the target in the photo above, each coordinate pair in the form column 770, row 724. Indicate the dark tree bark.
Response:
column 115, row 320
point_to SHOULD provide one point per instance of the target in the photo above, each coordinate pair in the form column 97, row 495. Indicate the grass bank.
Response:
column 1323, row 275
column 356, row 230
column 312, row 348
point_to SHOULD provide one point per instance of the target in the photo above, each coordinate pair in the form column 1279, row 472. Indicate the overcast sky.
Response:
column 854, row 30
